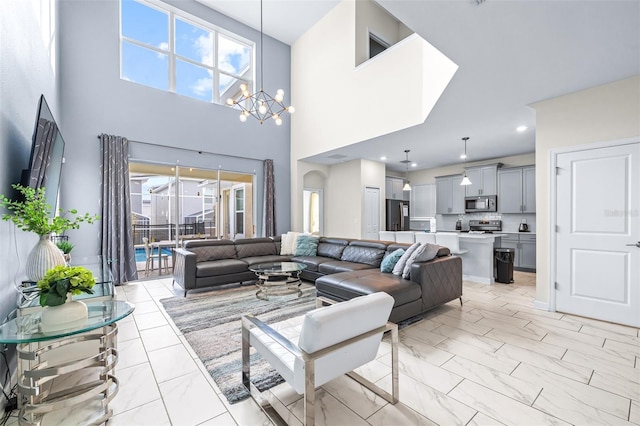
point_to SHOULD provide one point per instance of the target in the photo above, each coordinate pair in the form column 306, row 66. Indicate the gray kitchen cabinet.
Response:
column 483, row 180
column 449, row 195
column 525, row 250
column 517, row 190
column 528, row 190
column 393, row 189
column 423, row 201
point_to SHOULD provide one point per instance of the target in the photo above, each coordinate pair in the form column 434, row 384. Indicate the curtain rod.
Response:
column 199, row 151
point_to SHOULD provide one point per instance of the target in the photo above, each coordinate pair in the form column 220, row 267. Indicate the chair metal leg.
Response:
column 460, row 300
column 394, row 395
column 309, row 393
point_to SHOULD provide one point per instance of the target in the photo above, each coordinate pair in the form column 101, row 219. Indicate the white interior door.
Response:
column 598, row 233
column 371, row 213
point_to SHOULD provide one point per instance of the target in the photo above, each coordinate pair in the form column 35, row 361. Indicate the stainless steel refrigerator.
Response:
column 397, row 215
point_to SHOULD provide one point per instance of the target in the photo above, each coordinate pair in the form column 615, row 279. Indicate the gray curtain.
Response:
column 269, row 200
column 117, row 230
column 47, row 131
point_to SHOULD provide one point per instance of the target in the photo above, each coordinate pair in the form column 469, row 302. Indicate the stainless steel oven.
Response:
column 481, row 203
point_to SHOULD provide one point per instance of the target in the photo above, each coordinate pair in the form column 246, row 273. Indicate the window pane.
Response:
column 144, row 66
column 233, row 57
column 145, row 24
column 194, row 43
column 193, row 81
column 230, row 87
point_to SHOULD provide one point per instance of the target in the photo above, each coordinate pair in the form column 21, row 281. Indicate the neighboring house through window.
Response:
column 164, row 48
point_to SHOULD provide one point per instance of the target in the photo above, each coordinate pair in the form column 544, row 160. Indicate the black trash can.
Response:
column 503, row 264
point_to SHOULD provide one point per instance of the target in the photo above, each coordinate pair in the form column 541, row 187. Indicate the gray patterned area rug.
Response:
column 211, row 324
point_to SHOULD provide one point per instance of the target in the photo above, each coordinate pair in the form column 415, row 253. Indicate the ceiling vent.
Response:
column 337, row 156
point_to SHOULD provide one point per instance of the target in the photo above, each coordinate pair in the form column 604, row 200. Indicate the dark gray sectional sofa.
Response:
column 341, row 270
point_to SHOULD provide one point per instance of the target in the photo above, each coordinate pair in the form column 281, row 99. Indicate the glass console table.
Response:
column 69, row 371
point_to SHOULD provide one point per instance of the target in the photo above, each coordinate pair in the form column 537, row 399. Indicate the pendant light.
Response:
column 261, row 105
column 465, row 178
column 406, row 161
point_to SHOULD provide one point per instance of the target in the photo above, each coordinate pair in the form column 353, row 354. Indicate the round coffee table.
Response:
column 278, row 278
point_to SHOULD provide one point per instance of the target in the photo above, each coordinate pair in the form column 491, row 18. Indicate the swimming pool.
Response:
column 141, row 256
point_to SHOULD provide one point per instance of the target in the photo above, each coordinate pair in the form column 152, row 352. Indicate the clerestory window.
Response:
column 167, row 49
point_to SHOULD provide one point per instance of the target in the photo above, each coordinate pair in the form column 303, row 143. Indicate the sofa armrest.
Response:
column 184, row 269
column 440, row 279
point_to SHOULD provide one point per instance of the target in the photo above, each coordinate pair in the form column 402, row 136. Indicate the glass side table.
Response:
column 67, row 370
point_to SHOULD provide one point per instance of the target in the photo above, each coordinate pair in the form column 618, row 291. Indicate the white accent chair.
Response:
column 387, row 236
column 425, row 237
column 451, row 240
column 311, row 350
column 405, row 237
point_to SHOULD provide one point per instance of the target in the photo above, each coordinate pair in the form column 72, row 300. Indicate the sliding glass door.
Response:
column 172, row 203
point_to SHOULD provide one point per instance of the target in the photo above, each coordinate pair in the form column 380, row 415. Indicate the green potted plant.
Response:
column 55, row 290
column 63, row 281
column 33, row 214
column 65, row 247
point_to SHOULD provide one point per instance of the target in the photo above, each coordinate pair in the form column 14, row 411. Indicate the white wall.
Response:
column 325, row 84
column 603, row 113
column 95, row 100
column 28, row 49
column 343, row 207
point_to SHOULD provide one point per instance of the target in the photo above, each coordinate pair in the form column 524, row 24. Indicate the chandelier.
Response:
column 261, row 105
column 465, row 178
column 406, row 161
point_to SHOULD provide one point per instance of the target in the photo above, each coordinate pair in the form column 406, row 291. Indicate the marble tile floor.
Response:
column 495, row 360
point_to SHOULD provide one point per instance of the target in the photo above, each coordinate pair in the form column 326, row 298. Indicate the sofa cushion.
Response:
column 347, row 285
column 251, row 247
column 312, row 262
column 220, row 267
column 307, row 245
column 397, row 270
column 367, row 252
column 390, row 260
column 332, row 247
column 336, row 266
column 254, row 260
column 206, row 253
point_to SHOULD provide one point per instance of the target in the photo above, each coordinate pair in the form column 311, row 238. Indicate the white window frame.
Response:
column 174, row 13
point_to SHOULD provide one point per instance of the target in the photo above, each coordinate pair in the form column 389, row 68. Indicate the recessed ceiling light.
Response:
column 463, row 156
column 414, row 164
column 521, row 128
column 383, row 158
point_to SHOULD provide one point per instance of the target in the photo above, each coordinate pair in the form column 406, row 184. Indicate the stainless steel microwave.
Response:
column 481, row 203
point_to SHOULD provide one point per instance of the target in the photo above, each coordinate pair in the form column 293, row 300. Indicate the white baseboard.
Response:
column 475, row 279
column 543, row 306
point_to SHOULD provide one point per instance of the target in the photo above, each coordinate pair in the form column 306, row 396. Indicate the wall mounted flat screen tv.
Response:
column 47, row 155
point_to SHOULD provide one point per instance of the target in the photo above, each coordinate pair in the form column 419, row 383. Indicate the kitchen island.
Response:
column 477, row 261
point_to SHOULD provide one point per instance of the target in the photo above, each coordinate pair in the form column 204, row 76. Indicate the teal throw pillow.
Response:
column 390, row 261
column 307, row 245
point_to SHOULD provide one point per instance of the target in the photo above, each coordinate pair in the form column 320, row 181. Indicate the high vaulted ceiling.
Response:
column 510, row 53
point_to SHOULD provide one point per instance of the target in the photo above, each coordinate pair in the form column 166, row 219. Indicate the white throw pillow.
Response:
column 292, row 241
column 399, row 268
column 407, row 266
column 283, row 244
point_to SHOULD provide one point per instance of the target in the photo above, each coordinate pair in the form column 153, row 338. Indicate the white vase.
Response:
column 44, row 256
column 71, row 314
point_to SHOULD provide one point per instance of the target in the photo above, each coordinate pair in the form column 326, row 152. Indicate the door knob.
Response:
column 634, row 245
